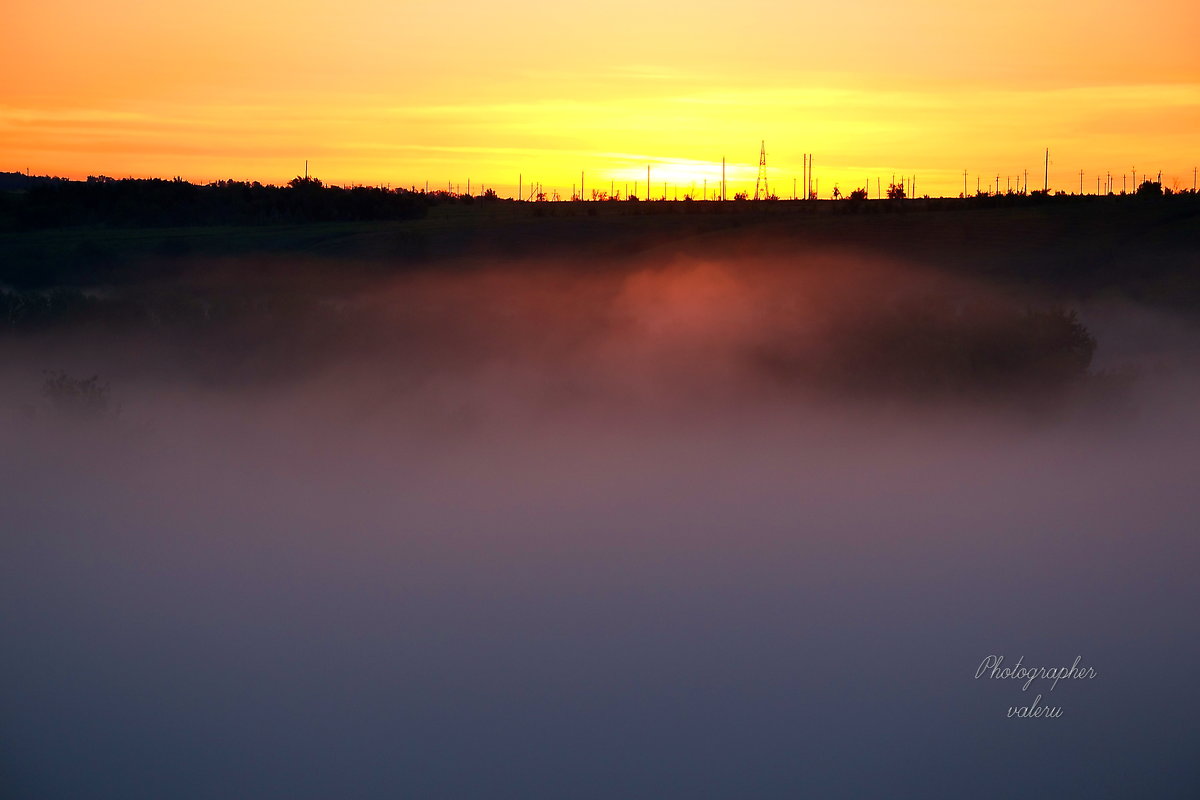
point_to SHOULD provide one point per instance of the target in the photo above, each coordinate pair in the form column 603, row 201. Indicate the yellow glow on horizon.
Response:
column 408, row 92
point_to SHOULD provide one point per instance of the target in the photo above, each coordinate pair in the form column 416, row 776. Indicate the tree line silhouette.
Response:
column 155, row 202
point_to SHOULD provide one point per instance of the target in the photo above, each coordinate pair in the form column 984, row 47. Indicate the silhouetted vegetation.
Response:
column 1150, row 189
column 932, row 347
column 19, row 181
column 80, row 398
column 176, row 203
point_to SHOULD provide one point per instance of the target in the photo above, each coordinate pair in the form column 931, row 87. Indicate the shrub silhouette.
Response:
column 1150, row 189
column 81, row 398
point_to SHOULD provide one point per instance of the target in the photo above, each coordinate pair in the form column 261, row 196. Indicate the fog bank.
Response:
column 698, row 528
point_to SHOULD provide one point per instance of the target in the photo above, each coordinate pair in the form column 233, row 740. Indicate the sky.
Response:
column 404, row 93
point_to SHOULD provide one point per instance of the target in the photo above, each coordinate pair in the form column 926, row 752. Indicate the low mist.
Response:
column 677, row 527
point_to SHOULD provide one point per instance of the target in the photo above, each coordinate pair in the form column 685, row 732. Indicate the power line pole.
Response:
column 964, row 184
column 761, row 181
column 1046, row 177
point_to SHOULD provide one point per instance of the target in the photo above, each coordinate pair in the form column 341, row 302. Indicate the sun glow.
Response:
column 537, row 92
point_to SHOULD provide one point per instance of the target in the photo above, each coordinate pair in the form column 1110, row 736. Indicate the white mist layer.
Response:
column 589, row 552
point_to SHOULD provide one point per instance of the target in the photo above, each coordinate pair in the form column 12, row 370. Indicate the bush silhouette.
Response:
column 1150, row 189
column 81, row 398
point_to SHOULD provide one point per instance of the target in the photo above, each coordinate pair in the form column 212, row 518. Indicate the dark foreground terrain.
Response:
column 661, row 500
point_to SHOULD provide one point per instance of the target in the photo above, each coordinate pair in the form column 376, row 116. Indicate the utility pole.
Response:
column 520, row 186
column 647, row 181
column 1046, row 177
column 964, row 184
column 722, row 177
column 761, row 181
column 1081, row 182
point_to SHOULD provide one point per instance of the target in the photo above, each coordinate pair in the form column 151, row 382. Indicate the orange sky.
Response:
column 407, row 91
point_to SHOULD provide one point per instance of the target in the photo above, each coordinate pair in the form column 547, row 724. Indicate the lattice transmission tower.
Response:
column 760, row 186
